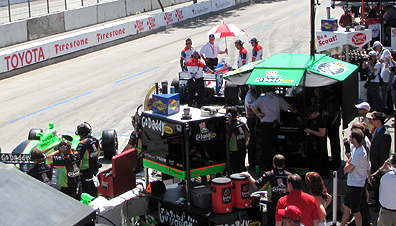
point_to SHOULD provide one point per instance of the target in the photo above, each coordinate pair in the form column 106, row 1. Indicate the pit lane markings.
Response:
column 65, row 101
column 135, row 75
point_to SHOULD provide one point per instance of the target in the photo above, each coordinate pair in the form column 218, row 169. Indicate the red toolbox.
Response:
column 121, row 176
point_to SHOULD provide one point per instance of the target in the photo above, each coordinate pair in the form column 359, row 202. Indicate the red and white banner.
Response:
column 329, row 39
column 221, row 4
column 144, row 23
column 24, row 56
column 111, row 33
column 393, row 38
column 174, row 16
column 70, row 44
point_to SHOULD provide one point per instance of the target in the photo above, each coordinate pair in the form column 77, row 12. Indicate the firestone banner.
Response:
column 329, row 39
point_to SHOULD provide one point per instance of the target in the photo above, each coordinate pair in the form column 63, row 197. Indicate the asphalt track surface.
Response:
column 105, row 87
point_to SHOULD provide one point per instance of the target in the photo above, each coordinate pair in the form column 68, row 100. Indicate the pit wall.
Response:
column 39, row 51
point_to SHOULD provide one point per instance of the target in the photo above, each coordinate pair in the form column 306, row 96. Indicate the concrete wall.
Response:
column 15, row 32
column 45, row 26
column 133, row 6
column 111, row 10
column 81, row 17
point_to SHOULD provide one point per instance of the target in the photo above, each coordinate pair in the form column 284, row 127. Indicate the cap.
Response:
column 377, row 115
column 211, row 36
column 195, row 53
column 36, row 155
column 63, row 143
column 372, row 53
column 253, row 40
column 377, row 43
column 363, row 105
column 292, row 212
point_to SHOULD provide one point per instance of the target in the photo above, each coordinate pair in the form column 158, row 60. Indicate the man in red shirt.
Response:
column 305, row 202
column 242, row 55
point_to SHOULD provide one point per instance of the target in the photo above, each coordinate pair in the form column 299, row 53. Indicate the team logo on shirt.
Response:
column 273, row 77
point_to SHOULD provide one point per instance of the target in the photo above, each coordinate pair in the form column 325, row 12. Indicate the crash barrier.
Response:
column 40, row 51
column 55, row 23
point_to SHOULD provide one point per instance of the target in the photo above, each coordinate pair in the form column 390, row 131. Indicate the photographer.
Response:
column 373, row 81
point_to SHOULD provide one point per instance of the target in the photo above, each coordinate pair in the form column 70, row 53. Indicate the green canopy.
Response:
column 288, row 69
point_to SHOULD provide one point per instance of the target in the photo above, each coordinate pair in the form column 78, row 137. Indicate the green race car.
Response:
column 48, row 141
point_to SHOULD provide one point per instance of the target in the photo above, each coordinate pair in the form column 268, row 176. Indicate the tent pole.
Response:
column 312, row 28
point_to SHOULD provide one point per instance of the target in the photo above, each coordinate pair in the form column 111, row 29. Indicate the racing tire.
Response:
column 233, row 94
column 33, row 134
column 175, row 83
column 109, row 143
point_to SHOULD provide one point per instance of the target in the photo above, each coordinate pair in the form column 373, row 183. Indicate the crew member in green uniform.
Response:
column 68, row 163
column 89, row 151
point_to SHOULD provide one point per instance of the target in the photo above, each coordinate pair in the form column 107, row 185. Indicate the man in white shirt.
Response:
column 357, row 166
column 270, row 106
column 387, row 197
column 382, row 52
column 210, row 51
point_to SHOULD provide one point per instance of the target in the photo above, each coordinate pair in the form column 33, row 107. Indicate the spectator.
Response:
column 291, row 216
column 374, row 24
column 387, row 198
column 389, row 21
column 257, row 53
column 305, row 202
column 317, row 188
column 384, row 58
column 69, row 163
column 195, row 83
column 364, row 208
column 318, row 159
column 356, row 166
column 239, row 135
column 347, row 18
column 211, row 51
column 40, row 170
column 270, row 105
column 380, row 146
column 274, row 182
column 373, row 88
column 89, row 151
column 186, row 54
column 250, row 97
column 242, row 54
column 364, row 108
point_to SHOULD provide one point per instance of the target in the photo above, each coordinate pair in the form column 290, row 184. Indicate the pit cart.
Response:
column 215, row 86
column 170, row 146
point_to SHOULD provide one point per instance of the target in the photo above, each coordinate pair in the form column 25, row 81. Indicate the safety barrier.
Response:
column 29, row 54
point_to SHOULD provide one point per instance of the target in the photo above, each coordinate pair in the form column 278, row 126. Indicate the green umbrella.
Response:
column 288, row 69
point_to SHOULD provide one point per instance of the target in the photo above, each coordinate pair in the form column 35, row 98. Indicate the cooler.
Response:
column 166, row 104
column 240, row 191
column 121, row 177
column 221, row 195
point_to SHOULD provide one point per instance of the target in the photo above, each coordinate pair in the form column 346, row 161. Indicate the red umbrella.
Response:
column 226, row 30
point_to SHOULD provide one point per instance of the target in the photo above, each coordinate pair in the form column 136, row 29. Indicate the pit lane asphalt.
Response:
column 105, row 87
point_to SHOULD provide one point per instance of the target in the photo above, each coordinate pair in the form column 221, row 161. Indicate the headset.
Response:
column 84, row 129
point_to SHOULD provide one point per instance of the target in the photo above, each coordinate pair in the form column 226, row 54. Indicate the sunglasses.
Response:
column 67, row 145
column 284, row 217
column 188, row 43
